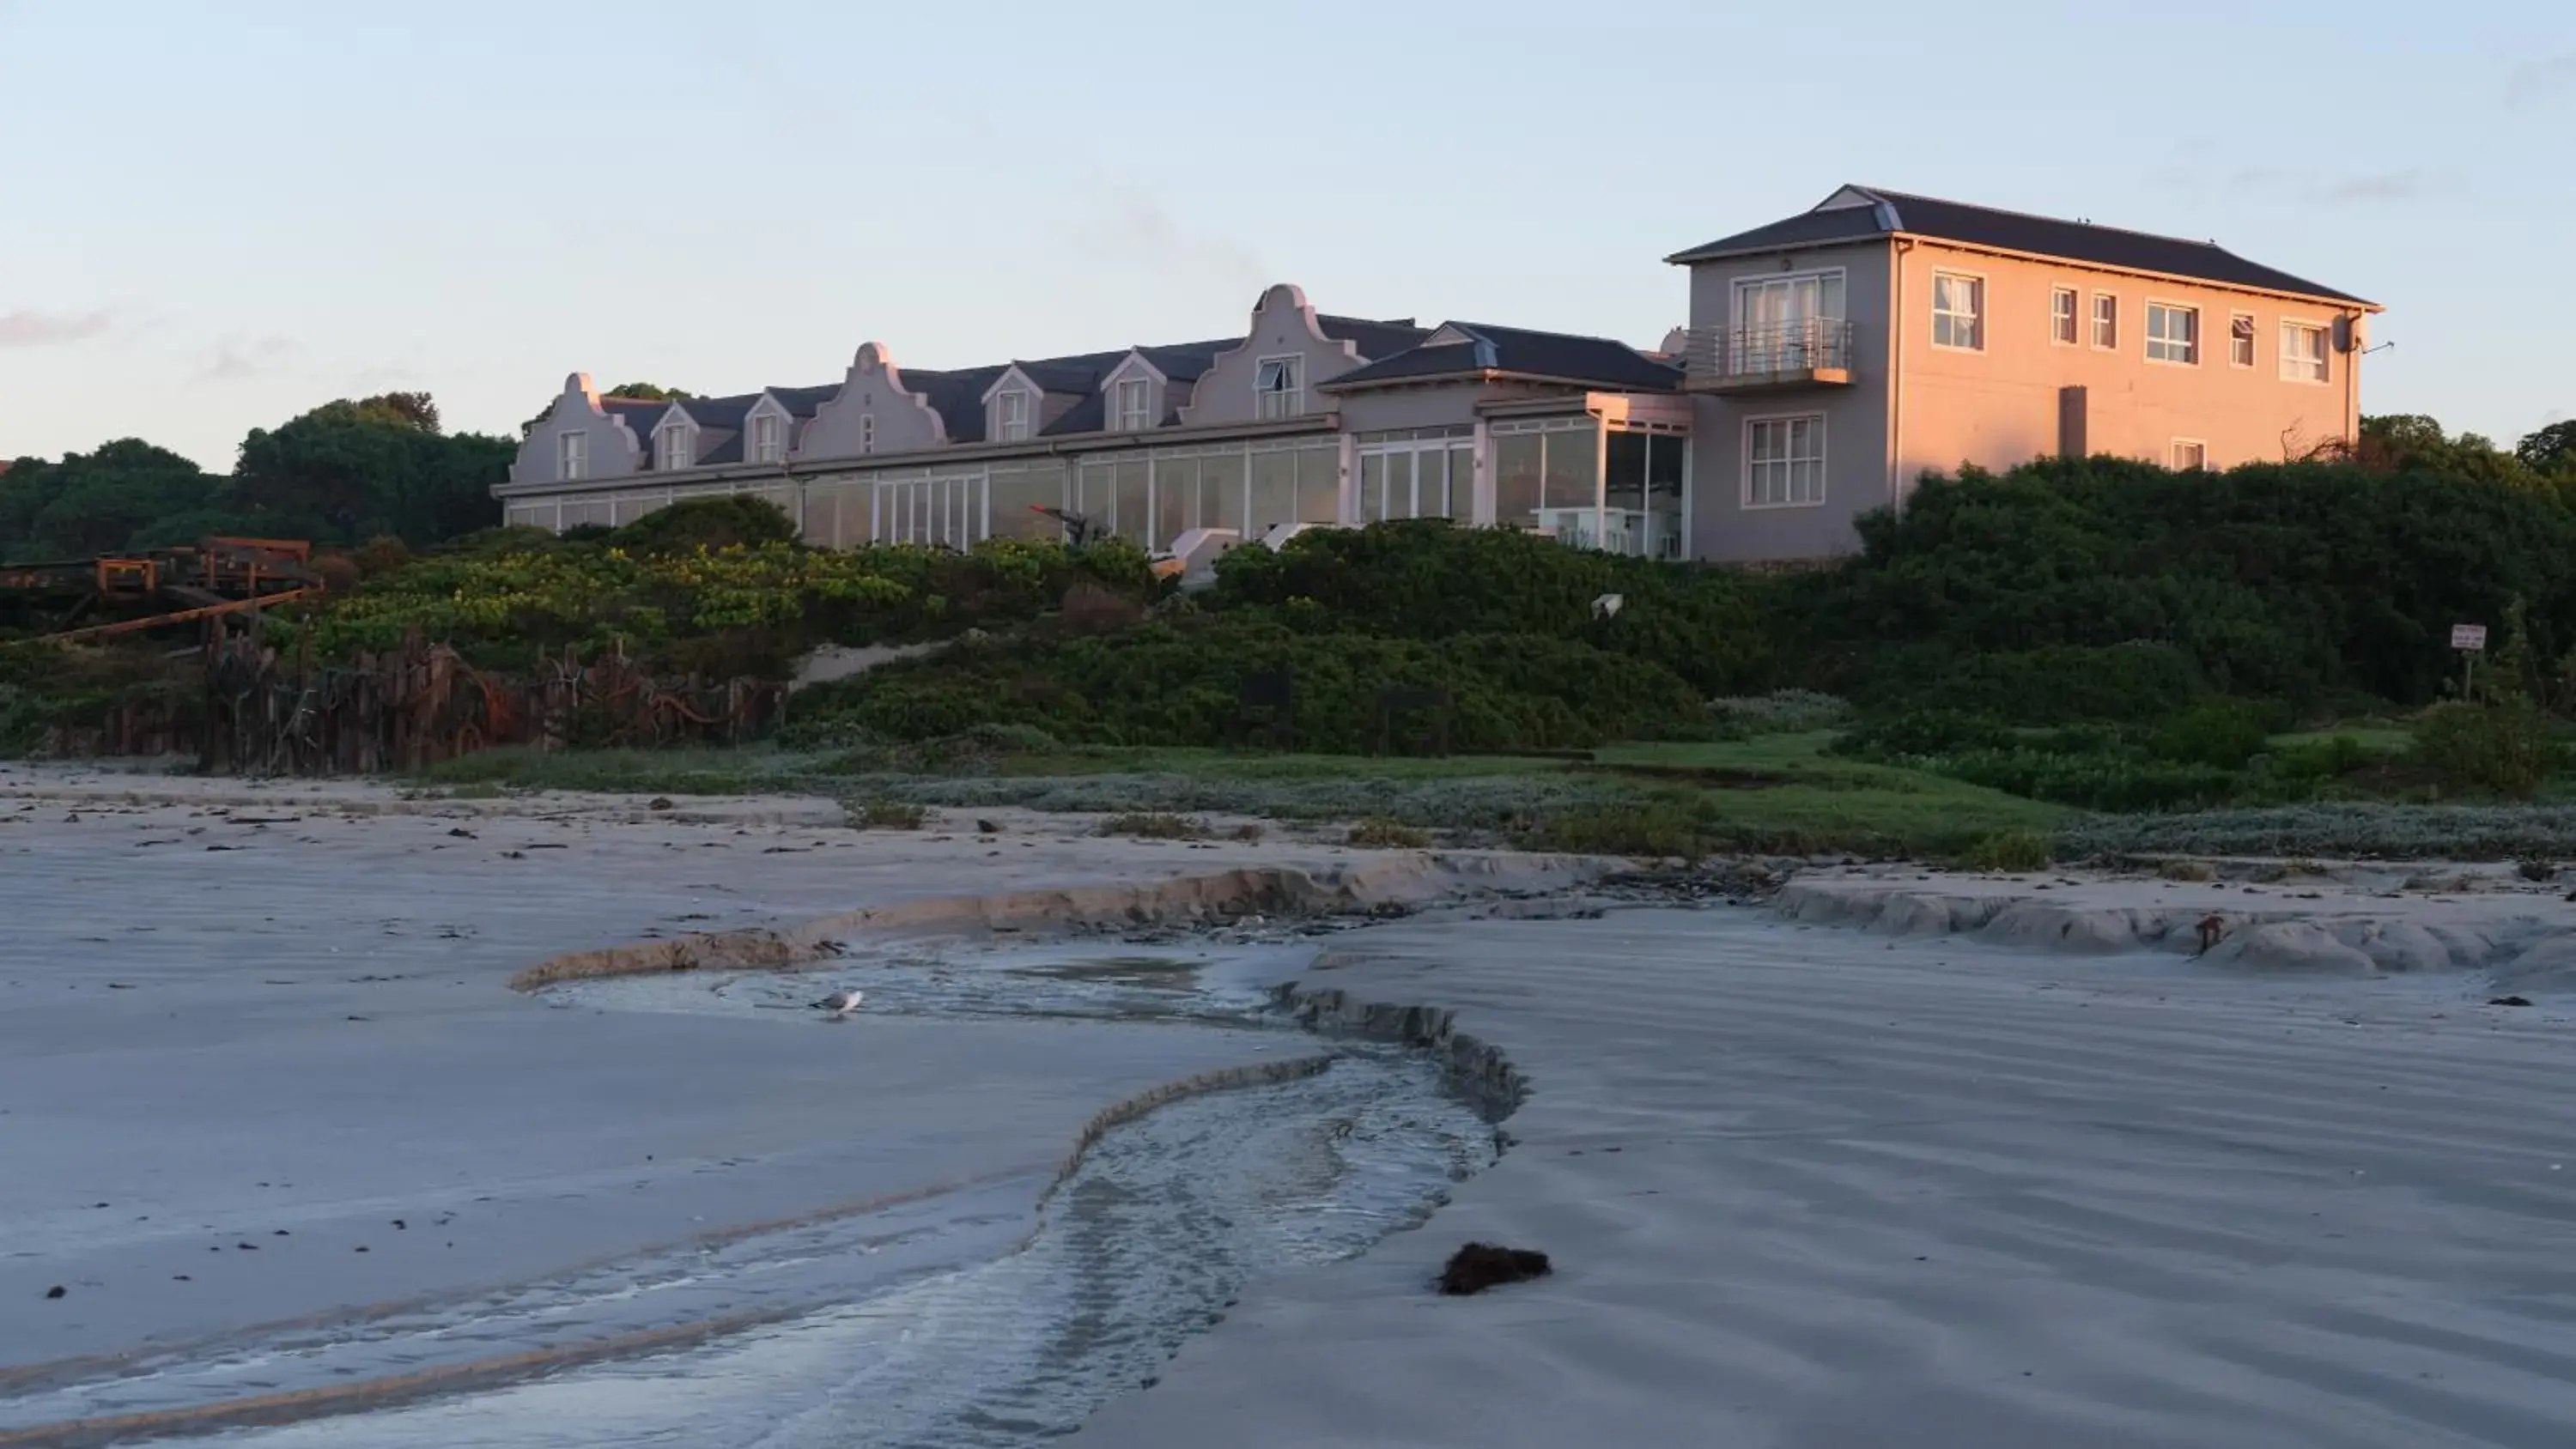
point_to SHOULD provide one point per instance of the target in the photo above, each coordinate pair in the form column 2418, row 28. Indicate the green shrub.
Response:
column 2013, row 851
column 1655, row 828
column 2502, row 748
column 880, row 813
column 2221, row 733
column 1383, row 834
column 1783, row 711
column 739, row 520
column 1920, row 734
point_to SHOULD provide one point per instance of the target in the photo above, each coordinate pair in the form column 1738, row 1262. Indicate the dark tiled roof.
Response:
column 1519, row 350
column 640, row 415
column 718, row 446
column 1089, row 415
column 1891, row 212
column 1187, row 361
column 719, row 412
column 801, row 402
column 1373, row 339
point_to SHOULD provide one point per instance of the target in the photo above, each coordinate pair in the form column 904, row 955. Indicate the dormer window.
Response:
column 572, row 456
column 673, row 447
column 1279, row 387
column 1135, row 405
column 1011, row 417
column 764, row 438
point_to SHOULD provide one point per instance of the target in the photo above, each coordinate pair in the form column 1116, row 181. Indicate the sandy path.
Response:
column 1807, row 1186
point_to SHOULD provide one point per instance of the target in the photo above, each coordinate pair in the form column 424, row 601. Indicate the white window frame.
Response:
column 2066, row 326
column 1976, row 319
column 1011, row 416
column 1140, row 417
column 1291, row 400
column 673, row 445
column 1746, row 497
column 2190, row 347
column 572, row 456
column 2295, row 364
column 2253, row 334
column 2199, row 448
column 2094, row 322
column 767, row 438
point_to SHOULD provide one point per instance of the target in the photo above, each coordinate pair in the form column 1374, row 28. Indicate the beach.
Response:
column 1891, row 1157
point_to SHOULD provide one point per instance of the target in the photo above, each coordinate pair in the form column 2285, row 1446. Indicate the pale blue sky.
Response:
column 215, row 216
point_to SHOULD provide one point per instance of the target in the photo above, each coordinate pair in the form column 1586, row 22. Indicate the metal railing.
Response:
column 1804, row 345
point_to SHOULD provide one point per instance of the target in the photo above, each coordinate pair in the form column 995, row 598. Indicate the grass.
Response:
column 1776, row 793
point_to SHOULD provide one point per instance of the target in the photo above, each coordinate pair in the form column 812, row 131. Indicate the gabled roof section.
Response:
column 1859, row 213
column 639, row 414
column 1518, row 352
column 801, row 402
column 717, row 412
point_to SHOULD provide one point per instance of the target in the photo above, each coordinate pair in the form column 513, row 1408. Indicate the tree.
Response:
column 413, row 410
column 2412, row 443
column 347, row 471
column 2551, row 452
column 649, row 392
column 93, row 503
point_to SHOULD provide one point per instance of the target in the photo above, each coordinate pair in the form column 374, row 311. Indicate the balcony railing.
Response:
column 1809, row 352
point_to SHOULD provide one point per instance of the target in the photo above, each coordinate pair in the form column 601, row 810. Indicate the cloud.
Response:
column 2539, row 80
column 238, row 357
column 48, row 329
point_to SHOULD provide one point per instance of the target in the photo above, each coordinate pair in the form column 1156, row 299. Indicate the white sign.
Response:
column 2469, row 636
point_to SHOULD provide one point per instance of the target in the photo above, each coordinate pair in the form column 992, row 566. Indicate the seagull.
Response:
column 841, row 1003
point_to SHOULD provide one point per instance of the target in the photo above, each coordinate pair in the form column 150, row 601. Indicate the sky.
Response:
column 213, row 217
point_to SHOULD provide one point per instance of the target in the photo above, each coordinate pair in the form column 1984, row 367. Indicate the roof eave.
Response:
column 2330, row 299
column 1722, row 253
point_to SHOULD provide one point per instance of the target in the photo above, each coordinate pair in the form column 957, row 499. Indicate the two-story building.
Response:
column 1837, row 355
column 1831, row 358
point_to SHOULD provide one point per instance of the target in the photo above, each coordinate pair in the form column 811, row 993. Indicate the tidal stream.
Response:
column 960, row 1320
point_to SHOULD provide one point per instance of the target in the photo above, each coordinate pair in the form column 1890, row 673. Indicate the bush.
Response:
column 1921, row 734
column 2222, row 733
column 1177, row 682
column 1781, row 712
column 738, row 520
column 2014, row 851
column 2502, row 748
column 1383, row 834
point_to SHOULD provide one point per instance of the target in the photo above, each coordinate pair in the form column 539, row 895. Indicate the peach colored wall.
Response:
column 1999, row 407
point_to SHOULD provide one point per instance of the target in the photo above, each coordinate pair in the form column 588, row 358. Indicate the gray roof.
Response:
column 1888, row 213
column 1559, row 355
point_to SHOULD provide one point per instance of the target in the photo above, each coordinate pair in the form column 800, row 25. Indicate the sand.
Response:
column 1818, row 1187
column 1900, row 1159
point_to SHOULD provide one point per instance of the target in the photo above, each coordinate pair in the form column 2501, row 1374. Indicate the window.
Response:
column 1958, row 311
column 2061, row 316
column 572, row 456
column 1279, row 387
column 2189, row 455
column 867, row 432
column 1135, row 403
column 2106, row 321
column 2173, row 333
column 1011, row 417
column 2303, row 352
column 675, row 446
column 764, row 438
column 2240, row 339
column 1784, row 461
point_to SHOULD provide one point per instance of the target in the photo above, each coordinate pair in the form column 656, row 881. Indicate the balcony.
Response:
column 1809, row 352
